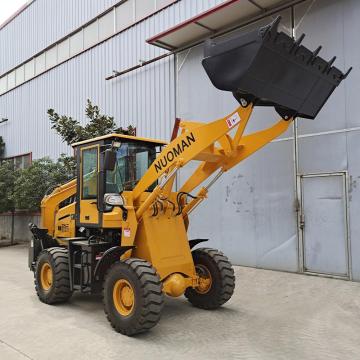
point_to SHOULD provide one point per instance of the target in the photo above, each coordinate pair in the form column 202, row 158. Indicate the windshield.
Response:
column 132, row 161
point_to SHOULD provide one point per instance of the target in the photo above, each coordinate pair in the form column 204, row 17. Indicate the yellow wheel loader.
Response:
column 120, row 227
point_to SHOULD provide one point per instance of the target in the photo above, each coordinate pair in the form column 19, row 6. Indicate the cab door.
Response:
column 89, row 171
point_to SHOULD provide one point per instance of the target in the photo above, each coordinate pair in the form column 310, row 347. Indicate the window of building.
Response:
column 11, row 80
column 20, row 161
column 51, row 57
column 144, row 8
column 89, row 173
column 117, row 19
column 76, row 43
column 106, row 26
column 161, row 3
column 40, row 64
column 63, row 50
column 20, row 75
column 125, row 15
column 91, row 35
column 3, row 84
column 29, row 69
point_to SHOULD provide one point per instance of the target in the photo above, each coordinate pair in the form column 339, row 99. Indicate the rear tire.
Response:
column 218, row 287
column 52, row 281
column 133, row 297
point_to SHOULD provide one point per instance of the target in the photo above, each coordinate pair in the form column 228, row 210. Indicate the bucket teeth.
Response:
column 314, row 54
column 297, row 43
column 328, row 66
column 347, row 73
column 273, row 69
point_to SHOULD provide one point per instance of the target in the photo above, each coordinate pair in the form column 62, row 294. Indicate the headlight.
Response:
column 114, row 200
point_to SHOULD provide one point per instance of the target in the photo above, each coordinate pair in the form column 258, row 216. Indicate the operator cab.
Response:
column 109, row 164
column 131, row 162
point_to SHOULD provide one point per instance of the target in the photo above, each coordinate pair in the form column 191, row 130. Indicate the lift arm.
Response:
column 247, row 145
column 209, row 143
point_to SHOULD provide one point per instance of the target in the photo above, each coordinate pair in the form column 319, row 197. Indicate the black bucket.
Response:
column 269, row 68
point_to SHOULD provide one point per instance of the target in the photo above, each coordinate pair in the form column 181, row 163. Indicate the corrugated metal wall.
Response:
column 253, row 207
column 144, row 98
column 332, row 142
column 43, row 23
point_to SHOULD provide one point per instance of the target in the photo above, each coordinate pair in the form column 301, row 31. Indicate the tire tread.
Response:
column 227, row 281
column 61, row 280
column 153, row 297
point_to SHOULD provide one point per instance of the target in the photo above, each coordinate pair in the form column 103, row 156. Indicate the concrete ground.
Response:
column 272, row 315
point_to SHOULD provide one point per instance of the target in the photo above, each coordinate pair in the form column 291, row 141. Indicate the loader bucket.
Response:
column 269, row 68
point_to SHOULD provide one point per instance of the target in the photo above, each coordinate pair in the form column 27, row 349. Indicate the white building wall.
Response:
column 251, row 212
column 144, row 98
column 43, row 23
column 332, row 142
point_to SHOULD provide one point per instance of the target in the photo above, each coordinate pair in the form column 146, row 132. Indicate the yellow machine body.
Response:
column 156, row 225
column 122, row 223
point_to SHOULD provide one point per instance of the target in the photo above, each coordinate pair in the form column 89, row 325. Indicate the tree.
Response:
column 31, row 184
column 7, row 179
column 71, row 131
column 68, row 164
column 34, row 182
column 7, row 188
column 98, row 124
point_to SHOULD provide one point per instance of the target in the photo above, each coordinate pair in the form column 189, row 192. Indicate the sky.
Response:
column 9, row 7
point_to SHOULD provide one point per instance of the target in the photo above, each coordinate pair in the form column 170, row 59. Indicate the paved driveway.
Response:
column 272, row 315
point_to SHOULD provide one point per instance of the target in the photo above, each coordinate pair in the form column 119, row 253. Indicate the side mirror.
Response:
column 109, row 159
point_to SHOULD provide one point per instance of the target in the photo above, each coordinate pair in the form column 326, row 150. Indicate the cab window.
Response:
column 133, row 160
column 89, row 173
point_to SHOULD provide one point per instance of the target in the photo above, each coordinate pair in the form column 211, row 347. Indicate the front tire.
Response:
column 52, row 281
column 133, row 297
column 217, row 279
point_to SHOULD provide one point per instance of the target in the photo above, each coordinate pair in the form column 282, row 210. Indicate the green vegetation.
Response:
column 71, row 131
column 34, row 182
column 7, row 187
column 23, row 189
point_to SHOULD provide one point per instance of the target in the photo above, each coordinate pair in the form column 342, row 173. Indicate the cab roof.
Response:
column 120, row 136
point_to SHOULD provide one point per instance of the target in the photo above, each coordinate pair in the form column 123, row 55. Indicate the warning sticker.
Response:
column 127, row 232
column 233, row 120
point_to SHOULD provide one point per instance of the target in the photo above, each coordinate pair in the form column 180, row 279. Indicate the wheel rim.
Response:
column 46, row 276
column 124, row 297
column 205, row 279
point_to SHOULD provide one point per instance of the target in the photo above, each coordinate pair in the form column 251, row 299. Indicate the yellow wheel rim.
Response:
column 46, row 276
column 205, row 279
column 124, row 297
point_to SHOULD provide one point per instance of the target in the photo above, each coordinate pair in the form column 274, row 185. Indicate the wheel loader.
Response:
column 120, row 227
